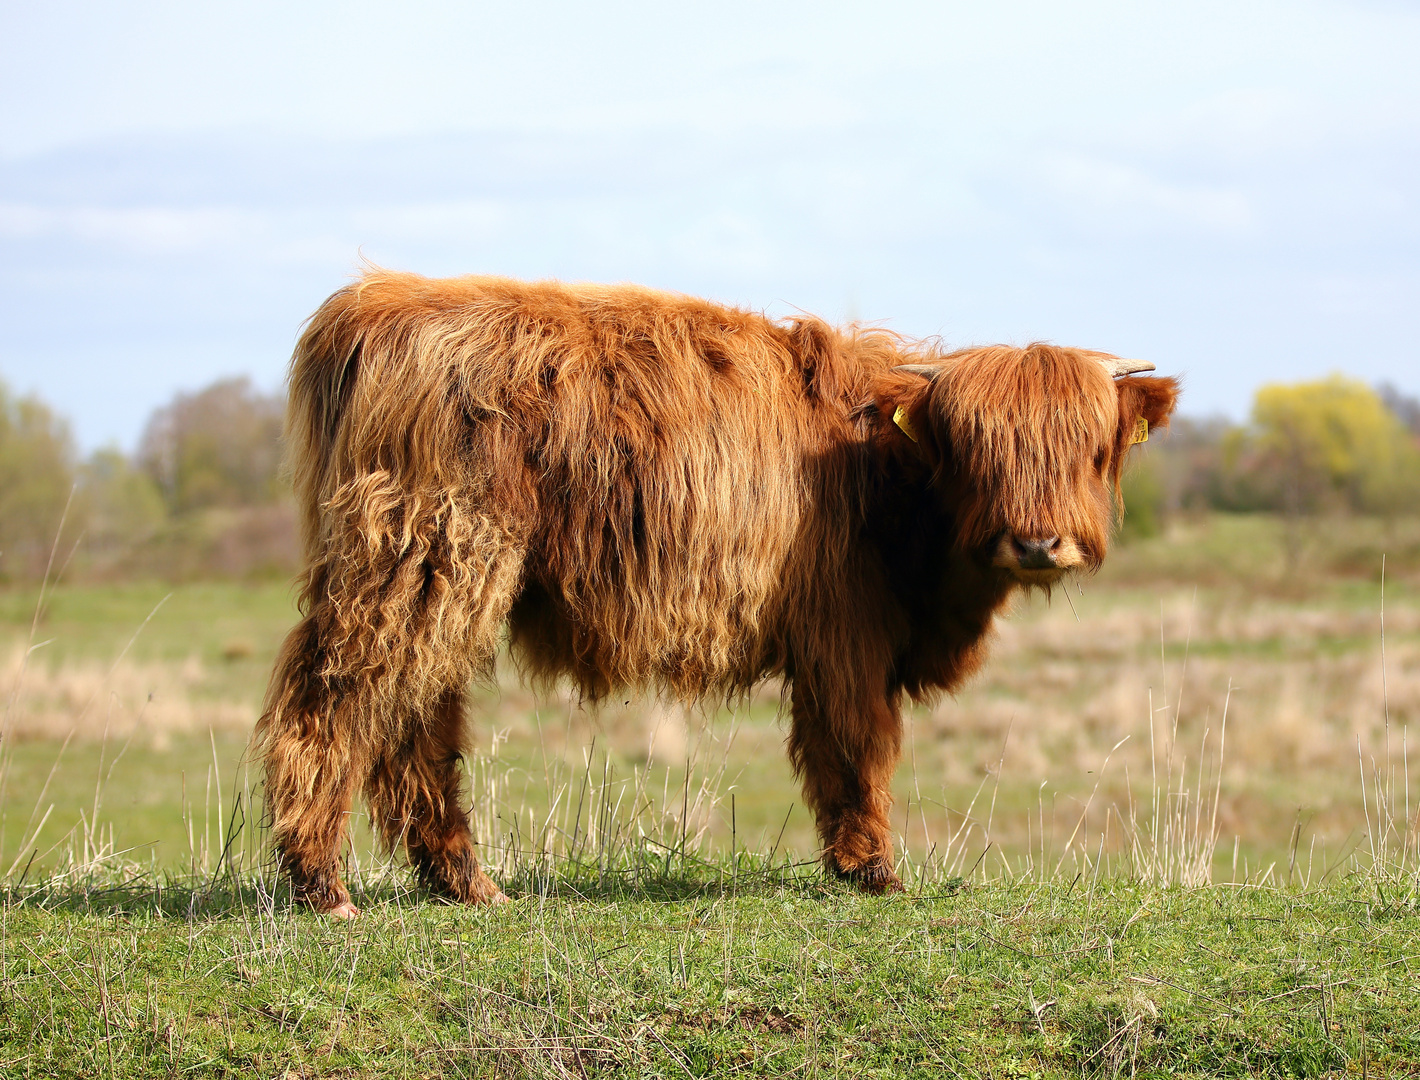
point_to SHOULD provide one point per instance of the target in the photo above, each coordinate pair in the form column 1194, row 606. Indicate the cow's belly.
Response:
column 676, row 586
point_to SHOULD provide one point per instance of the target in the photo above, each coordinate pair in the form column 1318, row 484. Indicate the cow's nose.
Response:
column 1036, row 554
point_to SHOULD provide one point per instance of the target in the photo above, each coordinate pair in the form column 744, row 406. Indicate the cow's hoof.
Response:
column 467, row 885
column 879, row 885
column 343, row 910
column 483, row 891
column 874, row 877
column 324, row 894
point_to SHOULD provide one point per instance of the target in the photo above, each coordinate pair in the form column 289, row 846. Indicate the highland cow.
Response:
column 650, row 490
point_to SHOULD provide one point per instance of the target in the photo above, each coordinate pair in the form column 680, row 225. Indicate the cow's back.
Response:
column 671, row 457
column 652, row 454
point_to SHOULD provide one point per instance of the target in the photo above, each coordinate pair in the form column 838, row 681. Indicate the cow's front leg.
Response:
column 846, row 758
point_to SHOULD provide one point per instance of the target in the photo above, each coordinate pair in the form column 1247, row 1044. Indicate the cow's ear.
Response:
column 904, row 409
column 1144, row 404
column 816, row 348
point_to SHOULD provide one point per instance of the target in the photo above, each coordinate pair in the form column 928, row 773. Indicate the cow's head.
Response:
column 1029, row 445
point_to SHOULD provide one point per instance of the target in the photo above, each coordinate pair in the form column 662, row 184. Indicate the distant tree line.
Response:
column 203, row 494
column 1330, row 446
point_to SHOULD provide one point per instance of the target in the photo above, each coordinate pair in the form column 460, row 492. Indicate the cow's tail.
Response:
column 324, row 371
column 413, row 556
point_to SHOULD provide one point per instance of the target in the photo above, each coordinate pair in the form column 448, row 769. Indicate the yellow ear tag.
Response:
column 900, row 419
column 1141, row 432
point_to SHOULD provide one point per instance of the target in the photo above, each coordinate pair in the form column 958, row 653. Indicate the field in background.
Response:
column 155, row 689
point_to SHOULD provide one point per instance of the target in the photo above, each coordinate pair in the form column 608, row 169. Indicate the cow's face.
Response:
column 1029, row 445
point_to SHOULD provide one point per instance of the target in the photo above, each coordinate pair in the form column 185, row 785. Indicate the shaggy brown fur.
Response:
column 653, row 490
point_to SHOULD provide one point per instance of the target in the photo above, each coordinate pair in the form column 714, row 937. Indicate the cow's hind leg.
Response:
column 404, row 604
column 846, row 760
column 315, row 749
column 416, row 797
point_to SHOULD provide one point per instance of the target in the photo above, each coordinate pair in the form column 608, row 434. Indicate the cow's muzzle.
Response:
column 1037, row 559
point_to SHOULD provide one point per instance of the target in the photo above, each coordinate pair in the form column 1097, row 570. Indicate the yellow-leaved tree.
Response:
column 1333, row 444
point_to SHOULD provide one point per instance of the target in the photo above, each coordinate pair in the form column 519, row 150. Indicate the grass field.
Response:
column 712, row 969
column 1169, row 829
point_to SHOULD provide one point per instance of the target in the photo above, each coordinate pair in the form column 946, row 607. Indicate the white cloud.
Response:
column 466, row 220
column 728, row 243
column 1114, row 195
column 151, row 230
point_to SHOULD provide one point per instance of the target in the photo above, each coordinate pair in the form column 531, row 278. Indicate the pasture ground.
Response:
column 706, row 972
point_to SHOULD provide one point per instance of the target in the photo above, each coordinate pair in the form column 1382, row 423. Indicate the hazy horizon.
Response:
column 1230, row 192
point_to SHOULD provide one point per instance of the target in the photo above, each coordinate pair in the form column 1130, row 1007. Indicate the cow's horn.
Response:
column 927, row 371
column 1118, row 366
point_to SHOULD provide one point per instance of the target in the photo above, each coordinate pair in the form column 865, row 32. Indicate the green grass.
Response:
column 143, row 797
column 1333, row 555
column 703, row 972
column 234, row 628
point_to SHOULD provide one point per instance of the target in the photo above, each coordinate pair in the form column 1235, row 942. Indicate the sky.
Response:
column 1230, row 190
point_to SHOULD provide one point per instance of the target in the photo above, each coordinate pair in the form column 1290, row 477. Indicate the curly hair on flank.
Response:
column 653, row 490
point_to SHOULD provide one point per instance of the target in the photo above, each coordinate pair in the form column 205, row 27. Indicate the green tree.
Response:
column 219, row 447
column 36, row 479
column 119, row 504
column 1142, row 489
